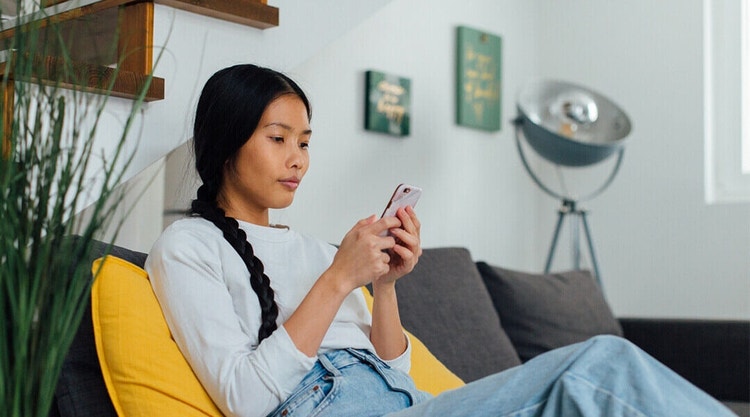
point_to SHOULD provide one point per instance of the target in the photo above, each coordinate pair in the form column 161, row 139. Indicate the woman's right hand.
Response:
column 363, row 256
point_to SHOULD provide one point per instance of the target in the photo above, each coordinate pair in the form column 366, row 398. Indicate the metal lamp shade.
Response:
column 570, row 125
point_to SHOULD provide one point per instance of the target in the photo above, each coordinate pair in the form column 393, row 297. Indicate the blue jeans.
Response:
column 351, row 383
column 604, row 376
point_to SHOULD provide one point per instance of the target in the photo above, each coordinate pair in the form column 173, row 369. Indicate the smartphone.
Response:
column 404, row 195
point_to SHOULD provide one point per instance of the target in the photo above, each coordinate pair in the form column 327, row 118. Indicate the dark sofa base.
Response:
column 741, row 409
column 712, row 354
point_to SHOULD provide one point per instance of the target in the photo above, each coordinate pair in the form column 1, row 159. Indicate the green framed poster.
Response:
column 478, row 83
column 387, row 103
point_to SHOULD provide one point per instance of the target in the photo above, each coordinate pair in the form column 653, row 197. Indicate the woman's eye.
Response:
column 304, row 145
column 277, row 139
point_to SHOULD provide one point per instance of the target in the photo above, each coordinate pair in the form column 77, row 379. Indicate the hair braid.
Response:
column 237, row 238
column 229, row 109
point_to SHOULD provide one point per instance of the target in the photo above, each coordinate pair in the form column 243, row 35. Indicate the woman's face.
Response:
column 269, row 167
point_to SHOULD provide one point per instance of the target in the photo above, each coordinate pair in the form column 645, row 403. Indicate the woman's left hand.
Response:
column 408, row 248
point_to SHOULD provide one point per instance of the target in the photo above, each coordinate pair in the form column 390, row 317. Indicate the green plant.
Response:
column 50, row 166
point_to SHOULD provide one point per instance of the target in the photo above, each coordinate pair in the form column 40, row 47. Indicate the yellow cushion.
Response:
column 145, row 372
column 428, row 373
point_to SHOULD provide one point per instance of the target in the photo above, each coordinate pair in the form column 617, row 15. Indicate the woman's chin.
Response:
column 282, row 204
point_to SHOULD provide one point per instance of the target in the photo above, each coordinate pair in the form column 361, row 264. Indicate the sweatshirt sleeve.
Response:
column 242, row 377
column 402, row 362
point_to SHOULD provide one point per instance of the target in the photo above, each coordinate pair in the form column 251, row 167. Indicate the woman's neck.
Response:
column 257, row 217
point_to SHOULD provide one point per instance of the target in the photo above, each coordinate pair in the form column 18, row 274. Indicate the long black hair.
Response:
column 229, row 109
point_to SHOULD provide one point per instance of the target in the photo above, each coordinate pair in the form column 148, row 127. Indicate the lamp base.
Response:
column 570, row 207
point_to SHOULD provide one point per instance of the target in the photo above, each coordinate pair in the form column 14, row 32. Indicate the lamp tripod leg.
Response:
column 575, row 236
column 561, row 215
column 594, row 263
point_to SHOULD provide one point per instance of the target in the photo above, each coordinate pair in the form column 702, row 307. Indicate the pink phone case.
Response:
column 405, row 195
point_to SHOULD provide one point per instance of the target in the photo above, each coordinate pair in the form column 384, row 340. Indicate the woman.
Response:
column 291, row 334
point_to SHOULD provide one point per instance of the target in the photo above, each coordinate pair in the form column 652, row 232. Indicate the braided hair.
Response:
column 229, row 109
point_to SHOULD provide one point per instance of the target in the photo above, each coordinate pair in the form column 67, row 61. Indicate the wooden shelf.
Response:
column 255, row 13
column 91, row 78
column 247, row 12
column 85, row 34
column 72, row 14
column 83, row 25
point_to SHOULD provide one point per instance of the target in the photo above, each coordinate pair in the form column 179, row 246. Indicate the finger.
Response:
column 403, row 252
column 409, row 239
column 406, row 219
column 385, row 243
column 385, row 223
column 413, row 217
column 409, row 220
column 385, row 260
column 404, row 258
column 365, row 221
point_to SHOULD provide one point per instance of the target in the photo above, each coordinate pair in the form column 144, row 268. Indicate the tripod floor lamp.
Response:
column 570, row 126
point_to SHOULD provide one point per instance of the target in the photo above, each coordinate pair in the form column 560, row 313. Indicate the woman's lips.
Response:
column 290, row 183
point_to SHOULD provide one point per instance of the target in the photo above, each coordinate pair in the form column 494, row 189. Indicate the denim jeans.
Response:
column 604, row 376
column 350, row 383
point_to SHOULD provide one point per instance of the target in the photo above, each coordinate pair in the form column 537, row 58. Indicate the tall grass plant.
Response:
column 50, row 167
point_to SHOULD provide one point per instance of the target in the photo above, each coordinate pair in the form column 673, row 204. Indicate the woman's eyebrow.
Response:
column 287, row 127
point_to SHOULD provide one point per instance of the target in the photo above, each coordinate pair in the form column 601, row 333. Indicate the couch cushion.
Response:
column 541, row 312
column 80, row 390
column 144, row 370
column 444, row 303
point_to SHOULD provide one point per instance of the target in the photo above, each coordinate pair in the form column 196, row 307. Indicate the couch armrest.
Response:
column 712, row 354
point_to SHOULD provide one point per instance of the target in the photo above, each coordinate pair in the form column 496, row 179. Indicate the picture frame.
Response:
column 387, row 103
column 478, row 79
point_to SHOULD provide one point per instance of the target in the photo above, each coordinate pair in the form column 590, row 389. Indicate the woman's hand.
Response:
column 361, row 258
column 364, row 255
column 386, row 334
column 407, row 248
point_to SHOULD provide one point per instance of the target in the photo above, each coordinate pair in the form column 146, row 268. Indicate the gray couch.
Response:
column 454, row 305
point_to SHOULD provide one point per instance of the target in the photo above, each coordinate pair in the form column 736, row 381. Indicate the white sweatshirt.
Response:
column 204, row 290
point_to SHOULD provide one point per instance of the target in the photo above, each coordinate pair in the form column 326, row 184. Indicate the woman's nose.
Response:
column 296, row 157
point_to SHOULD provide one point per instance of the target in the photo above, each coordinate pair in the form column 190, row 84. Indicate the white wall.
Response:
column 189, row 48
column 472, row 193
column 662, row 250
